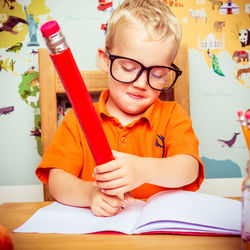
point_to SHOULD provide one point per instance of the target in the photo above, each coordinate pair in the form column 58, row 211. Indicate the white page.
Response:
column 193, row 208
column 59, row 218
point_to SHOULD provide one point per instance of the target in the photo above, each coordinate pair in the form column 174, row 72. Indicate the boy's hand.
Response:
column 105, row 205
column 121, row 175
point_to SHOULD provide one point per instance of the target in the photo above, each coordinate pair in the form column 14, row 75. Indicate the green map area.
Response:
column 18, row 46
column 29, row 92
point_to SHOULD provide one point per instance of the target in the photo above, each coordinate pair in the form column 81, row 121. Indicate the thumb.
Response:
column 129, row 198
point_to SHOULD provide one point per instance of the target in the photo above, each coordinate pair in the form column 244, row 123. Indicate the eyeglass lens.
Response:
column 127, row 71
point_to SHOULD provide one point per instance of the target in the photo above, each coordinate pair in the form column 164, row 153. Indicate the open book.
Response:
column 181, row 212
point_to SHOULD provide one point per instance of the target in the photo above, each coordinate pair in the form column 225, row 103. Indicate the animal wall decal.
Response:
column 10, row 24
column 6, row 110
column 218, row 25
column 9, row 4
column 242, row 71
column 216, row 66
column 241, row 55
column 244, row 37
column 15, row 48
column 35, row 132
column 198, row 13
column 215, row 3
column 228, row 143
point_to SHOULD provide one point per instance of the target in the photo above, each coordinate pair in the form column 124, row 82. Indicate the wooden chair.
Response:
column 96, row 81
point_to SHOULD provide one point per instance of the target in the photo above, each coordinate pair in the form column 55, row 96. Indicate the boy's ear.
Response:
column 103, row 59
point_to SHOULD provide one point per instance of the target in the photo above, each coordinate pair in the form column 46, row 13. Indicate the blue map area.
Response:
column 220, row 168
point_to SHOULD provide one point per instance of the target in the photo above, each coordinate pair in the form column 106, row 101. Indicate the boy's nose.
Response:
column 141, row 82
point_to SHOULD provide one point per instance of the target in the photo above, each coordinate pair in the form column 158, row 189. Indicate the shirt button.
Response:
column 124, row 139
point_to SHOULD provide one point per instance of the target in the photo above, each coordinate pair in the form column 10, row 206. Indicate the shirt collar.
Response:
column 152, row 112
column 102, row 103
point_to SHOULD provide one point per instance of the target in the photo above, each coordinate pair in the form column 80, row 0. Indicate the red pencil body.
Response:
column 83, row 106
column 77, row 93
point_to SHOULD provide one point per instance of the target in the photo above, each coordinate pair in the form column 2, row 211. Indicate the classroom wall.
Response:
column 216, row 93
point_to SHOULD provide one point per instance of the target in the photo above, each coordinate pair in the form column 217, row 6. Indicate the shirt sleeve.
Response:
column 181, row 139
column 65, row 151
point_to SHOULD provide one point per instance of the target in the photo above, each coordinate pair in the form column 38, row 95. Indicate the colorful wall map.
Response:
column 217, row 34
column 219, row 80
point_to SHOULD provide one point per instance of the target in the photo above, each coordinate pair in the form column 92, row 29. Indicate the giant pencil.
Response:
column 77, row 92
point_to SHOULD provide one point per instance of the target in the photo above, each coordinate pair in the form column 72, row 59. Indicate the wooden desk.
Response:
column 13, row 215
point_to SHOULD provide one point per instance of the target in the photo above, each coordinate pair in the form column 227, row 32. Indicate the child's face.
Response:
column 134, row 98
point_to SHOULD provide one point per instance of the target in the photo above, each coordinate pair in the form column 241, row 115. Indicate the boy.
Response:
column 157, row 146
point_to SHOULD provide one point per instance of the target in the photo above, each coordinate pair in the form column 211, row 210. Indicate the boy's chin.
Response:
column 134, row 112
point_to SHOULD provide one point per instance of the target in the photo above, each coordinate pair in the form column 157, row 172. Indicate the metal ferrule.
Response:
column 56, row 43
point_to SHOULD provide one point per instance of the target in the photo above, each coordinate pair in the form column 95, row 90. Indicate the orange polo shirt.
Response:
column 162, row 131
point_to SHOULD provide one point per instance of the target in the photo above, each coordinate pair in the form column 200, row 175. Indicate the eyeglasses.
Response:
column 127, row 70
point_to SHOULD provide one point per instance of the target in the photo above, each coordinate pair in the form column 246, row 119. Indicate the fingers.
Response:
column 107, row 176
column 104, row 205
column 112, row 205
column 107, row 167
column 107, row 210
column 115, row 191
column 111, row 184
column 113, row 201
column 100, row 212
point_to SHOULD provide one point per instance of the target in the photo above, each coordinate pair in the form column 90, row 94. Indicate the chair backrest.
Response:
column 96, row 81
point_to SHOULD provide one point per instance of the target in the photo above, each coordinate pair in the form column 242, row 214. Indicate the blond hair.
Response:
column 153, row 15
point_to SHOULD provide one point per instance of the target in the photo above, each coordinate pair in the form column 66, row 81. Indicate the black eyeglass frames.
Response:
column 127, row 70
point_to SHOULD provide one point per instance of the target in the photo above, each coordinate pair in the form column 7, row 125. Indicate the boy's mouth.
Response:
column 135, row 96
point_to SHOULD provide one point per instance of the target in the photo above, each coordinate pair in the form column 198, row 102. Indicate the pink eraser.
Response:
column 240, row 113
column 247, row 114
column 49, row 28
